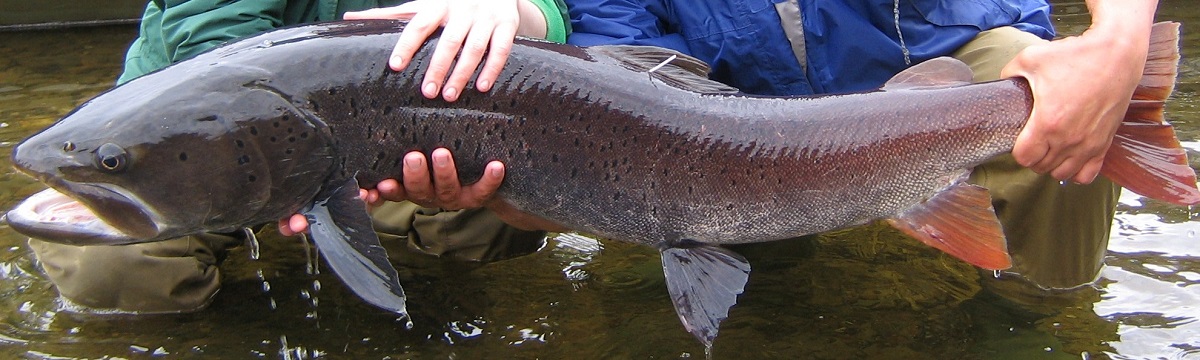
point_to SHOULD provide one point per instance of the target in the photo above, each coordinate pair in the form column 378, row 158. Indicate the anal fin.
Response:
column 341, row 228
column 959, row 220
column 704, row 282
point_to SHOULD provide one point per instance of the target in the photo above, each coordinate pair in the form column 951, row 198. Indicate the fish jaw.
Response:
column 55, row 217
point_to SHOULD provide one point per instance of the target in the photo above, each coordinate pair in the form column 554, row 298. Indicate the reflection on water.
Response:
column 865, row 292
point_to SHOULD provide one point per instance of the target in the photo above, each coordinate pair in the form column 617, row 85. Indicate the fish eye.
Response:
column 111, row 158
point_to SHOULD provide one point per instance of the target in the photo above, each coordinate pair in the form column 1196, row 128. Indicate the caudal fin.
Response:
column 1145, row 156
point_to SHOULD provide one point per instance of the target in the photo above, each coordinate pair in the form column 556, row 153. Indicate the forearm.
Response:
column 1123, row 24
column 533, row 20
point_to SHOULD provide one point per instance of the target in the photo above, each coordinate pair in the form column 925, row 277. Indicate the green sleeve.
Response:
column 176, row 30
column 558, row 25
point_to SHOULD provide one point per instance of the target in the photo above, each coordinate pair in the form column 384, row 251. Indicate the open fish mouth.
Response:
column 53, row 216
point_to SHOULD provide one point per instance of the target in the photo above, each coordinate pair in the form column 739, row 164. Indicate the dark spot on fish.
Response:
column 253, row 130
column 289, row 151
column 387, row 110
column 457, row 144
column 252, row 178
column 182, row 156
column 243, row 160
column 239, row 143
column 207, row 118
column 690, row 189
column 273, row 139
column 536, row 112
column 291, row 139
column 617, row 196
column 315, row 107
column 553, row 157
column 495, row 106
column 729, row 207
column 574, row 172
column 333, row 91
column 275, row 124
column 289, row 130
column 512, row 102
column 304, row 135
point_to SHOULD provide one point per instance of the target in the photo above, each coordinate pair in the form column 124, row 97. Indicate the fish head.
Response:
column 173, row 154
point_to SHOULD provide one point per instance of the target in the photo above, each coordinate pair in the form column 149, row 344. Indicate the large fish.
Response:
column 628, row 143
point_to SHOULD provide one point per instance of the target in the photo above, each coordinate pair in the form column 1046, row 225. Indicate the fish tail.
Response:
column 1145, row 156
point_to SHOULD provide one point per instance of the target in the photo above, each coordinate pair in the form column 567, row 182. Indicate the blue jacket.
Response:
column 849, row 45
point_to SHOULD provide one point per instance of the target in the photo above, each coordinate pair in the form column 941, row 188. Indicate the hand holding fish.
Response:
column 439, row 189
column 471, row 28
column 1082, row 87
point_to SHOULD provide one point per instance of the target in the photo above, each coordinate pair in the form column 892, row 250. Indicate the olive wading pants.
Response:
column 1057, row 233
column 181, row 274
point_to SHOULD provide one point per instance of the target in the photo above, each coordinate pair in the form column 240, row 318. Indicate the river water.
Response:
column 864, row 292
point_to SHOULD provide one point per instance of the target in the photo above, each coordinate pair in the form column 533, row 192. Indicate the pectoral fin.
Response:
column 960, row 221
column 341, row 228
column 704, row 282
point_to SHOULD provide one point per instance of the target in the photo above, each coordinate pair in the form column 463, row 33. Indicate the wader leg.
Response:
column 176, row 275
column 181, row 275
column 464, row 235
column 1057, row 233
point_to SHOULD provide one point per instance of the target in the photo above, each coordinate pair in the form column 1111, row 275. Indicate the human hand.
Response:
column 441, row 190
column 1076, row 110
column 470, row 26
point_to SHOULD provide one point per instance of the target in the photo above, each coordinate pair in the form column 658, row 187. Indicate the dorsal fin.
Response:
column 672, row 67
column 937, row 72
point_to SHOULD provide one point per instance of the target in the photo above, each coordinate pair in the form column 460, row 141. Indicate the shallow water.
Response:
column 864, row 292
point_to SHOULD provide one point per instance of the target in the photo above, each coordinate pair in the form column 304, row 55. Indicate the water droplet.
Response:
column 305, row 295
column 996, row 273
column 1048, row 349
column 252, row 243
column 266, row 286
column 273, row 305
column 316, row 285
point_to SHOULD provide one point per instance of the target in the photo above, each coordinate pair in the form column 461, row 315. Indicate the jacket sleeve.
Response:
column 175, row 30
column 625, row 22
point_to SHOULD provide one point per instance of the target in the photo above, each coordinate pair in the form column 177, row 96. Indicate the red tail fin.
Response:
column 1145, row 156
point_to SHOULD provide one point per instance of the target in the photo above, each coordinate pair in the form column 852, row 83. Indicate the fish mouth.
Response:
column 53, row 216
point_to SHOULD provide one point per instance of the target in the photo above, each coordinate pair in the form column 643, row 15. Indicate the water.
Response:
column 861, row 293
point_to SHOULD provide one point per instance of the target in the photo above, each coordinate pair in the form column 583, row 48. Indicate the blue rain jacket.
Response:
column 849, row 45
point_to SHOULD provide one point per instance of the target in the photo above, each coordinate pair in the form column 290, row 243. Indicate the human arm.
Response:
column 176, row 30
column 471, row 29
column 1081, row 87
